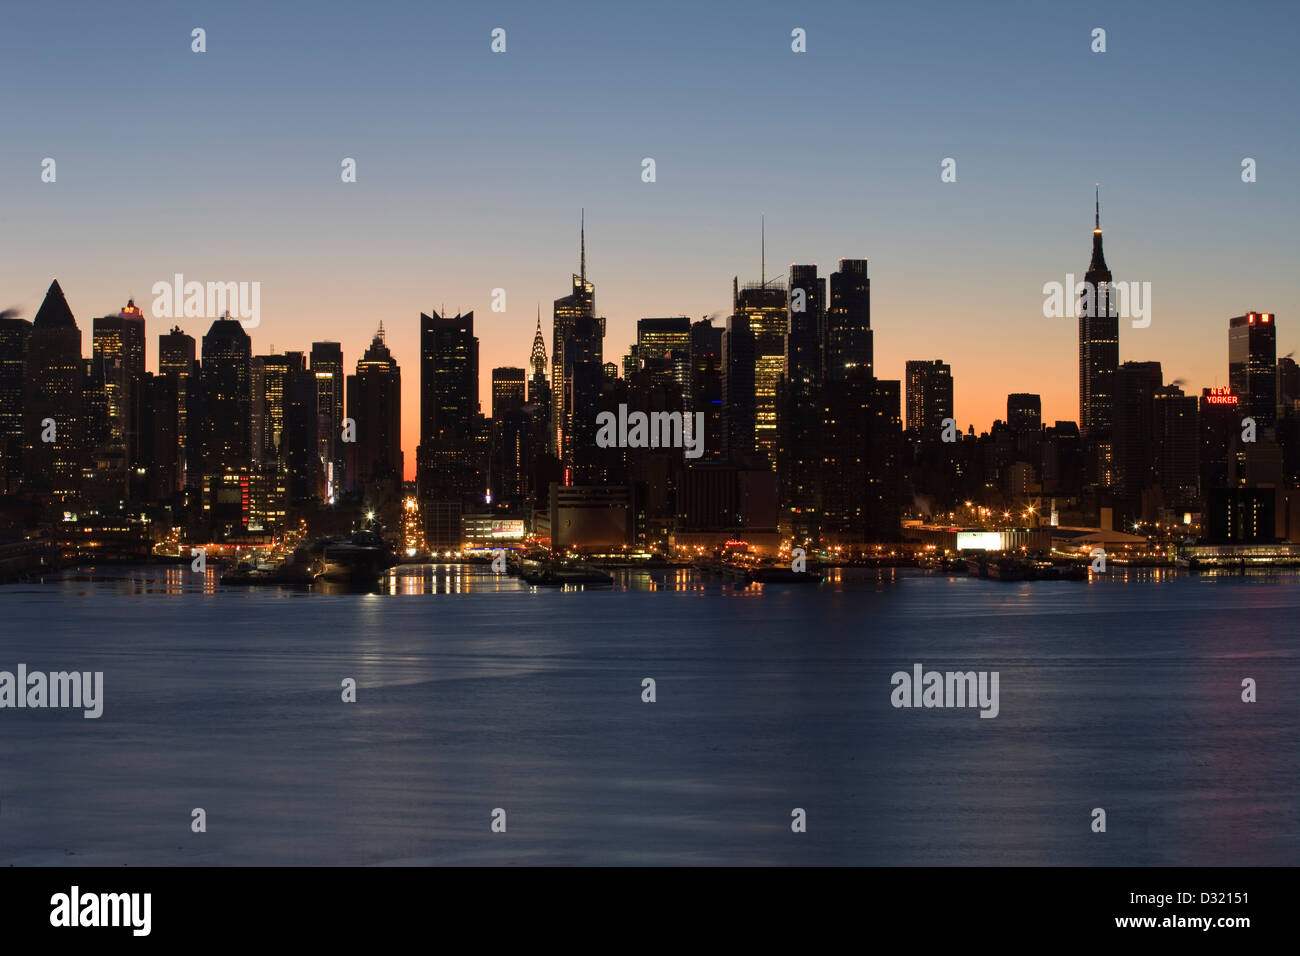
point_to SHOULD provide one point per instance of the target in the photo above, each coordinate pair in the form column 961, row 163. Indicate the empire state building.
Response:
column 1098, row 343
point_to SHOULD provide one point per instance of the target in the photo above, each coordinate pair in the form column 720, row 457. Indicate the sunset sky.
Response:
column 473, row 166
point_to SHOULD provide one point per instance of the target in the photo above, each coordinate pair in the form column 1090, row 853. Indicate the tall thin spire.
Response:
column 762, row 271
column 582, row 243
column 1098, row 197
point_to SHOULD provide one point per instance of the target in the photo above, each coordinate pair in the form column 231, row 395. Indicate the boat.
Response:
column 784, row 574
column 560, row 573
column 364, row 558
column 299, row 570
column 1006, row 569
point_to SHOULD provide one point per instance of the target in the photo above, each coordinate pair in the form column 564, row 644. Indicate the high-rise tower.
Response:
column 1252, row 364
column 14, row 336
column 577, row 370
column 52, row 400
column 1098, row 342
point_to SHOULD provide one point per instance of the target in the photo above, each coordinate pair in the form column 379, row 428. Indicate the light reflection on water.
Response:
column 1122, row 692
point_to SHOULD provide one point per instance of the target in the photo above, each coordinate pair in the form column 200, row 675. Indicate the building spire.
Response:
column 762, row 269
column 538, row 357
column 1097, row 270
column 582, row 245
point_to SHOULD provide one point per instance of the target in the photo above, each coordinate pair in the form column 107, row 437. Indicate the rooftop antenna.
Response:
column 582, row 244
column 1098, row 198
column 762, row 270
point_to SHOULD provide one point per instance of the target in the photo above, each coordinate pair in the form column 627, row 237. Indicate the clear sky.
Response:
column 472, row 167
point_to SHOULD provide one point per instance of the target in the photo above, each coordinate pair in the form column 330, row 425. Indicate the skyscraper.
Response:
column 1136, row 385
column 573, row 348
column 663, row 348
column 176, row 360
column 766, row 321
column 705, row 393
column 300, row 440
column 448, row 468
column 15, row 333
column 327, row 367
column 539, row 390
column 270, row 390
column 738, row 398
column 225, row 381
column 118, row 343
column 929, row 397
column 1252, row 364
column 1176, row 423
column 800, row 410
column 849, row 343
column 374, row 403
column 508, row 390
column 1098, row 343
column 1024, row 411
column 52, row 400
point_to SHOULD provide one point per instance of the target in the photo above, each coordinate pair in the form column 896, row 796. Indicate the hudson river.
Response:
column 476, row 693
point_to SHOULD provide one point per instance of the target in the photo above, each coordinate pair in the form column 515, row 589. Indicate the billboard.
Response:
column 979, row 541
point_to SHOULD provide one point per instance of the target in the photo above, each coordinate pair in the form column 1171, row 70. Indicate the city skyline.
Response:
column 959, row 266
column 410, row 394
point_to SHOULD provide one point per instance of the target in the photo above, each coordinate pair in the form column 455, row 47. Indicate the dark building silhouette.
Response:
column 1252, row 364
column 160, row 443
column 849, row 345
column 118, row 341
column 1288, row 383
column 303, row 468
column 739, row 401
column 705, row 393
column 270, row 376
column 539, row 389
column 511, row 445
column 768, row 321
column 1176, row 432
column 176, row 360
column 576, row 347
column 448, row 465
column 374, row 403
column 52, row 401
column 15, row 333
column 1024, row 411
column 509, row 388
column 929, row 397
column 327, row 367
column 663, row 349
column 1136, row 385
column 1241, row 515
column 1220, row 436
column 799, row 448
column 861, row 446
column 225, row 381
column 1098, row 343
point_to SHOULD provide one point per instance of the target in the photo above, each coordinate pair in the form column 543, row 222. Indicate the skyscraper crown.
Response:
column 54, row 312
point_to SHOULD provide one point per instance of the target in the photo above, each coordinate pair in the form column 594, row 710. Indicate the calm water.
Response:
column 476, row 693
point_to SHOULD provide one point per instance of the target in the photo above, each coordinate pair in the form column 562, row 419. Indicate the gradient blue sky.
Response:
column 472, row 168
